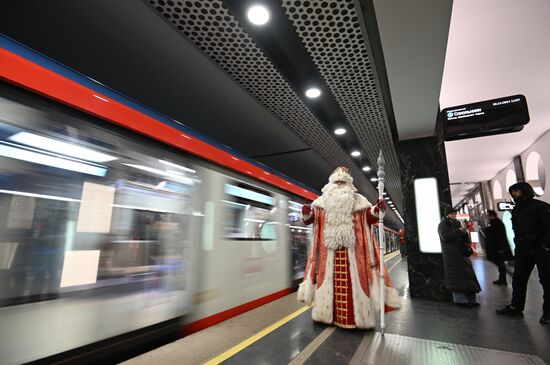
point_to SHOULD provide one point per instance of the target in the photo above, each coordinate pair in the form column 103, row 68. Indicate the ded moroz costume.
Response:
column 341, row 275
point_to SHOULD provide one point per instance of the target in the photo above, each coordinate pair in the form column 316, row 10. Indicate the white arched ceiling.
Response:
column 535, row 172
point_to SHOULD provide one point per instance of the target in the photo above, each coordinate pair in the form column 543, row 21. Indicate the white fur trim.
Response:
column 361, row 203
column 340, row 175
column 318, row 203
column 391, row 297
column 362, row 308
column 374, row 288
column 306, row 291
column 324, row 296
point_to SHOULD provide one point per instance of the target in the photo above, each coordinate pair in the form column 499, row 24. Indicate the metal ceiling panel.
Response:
column 331, row 33
column 214, row 30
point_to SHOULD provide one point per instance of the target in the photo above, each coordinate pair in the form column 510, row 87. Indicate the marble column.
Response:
column 420, row 158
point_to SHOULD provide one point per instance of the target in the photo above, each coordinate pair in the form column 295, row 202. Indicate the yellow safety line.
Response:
column 393, row 254
column 249, row 341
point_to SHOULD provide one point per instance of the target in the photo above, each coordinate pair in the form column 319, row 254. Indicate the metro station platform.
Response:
column 421, row 332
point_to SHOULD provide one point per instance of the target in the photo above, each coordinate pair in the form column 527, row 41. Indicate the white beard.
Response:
column 338, row 204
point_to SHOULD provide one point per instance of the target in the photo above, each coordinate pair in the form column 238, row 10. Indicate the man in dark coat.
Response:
column 496, row 246
column 531, row 223
column 460, row 276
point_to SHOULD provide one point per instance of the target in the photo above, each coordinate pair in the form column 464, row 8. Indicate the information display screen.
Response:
column 495, row 116
column 503, row 206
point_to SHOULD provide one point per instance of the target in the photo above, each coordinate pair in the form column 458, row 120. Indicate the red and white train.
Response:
column 119, row 225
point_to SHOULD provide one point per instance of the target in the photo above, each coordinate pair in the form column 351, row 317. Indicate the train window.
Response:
column 249, row 213
column 391, row 238
column 300, row 238
column 83, row 208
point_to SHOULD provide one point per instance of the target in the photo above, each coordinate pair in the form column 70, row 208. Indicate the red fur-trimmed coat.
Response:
column 364, row 263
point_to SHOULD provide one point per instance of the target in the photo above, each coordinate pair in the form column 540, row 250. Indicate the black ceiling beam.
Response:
column 280, row 42
column 376, row 54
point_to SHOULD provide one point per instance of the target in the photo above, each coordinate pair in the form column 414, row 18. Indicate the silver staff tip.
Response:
column 381, row 161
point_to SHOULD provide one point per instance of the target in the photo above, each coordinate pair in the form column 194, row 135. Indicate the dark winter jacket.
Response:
column 531, row 221
column 459, row 274
column 496, row 243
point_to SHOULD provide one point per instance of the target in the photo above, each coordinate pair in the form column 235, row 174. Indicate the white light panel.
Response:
column 426, row 197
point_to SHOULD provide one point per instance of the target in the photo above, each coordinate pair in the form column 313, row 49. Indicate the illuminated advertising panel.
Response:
column 428, row 214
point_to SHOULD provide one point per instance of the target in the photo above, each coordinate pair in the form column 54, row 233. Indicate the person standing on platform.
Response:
column 460, row 276
column 531, row 223
column 496, row 246
column 402, row 243
column 341, row 275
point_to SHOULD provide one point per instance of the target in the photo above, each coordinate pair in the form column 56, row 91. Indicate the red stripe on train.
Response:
column 22, row 72
column 233, row 312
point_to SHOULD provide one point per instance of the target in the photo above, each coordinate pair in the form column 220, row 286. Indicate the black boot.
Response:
column 500, row 282
column 511, row 311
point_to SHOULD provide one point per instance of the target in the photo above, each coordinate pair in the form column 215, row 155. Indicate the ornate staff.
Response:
column 381, row 238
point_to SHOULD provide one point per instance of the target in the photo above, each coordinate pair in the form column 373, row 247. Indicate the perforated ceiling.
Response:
column 331, row 33
column 213, row 29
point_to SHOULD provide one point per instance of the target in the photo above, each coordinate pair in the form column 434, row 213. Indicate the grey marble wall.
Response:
column 419, row 158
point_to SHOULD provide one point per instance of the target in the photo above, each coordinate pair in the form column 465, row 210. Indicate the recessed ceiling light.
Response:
column 313, row 92
column 258, row 15
column 340, row 131
column 367, row 168
column 373, row 179
column 355, row 153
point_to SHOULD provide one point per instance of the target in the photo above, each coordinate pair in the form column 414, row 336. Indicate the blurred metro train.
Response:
column 110, row 236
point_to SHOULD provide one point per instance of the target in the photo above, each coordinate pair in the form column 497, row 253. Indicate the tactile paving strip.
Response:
column 397, row 350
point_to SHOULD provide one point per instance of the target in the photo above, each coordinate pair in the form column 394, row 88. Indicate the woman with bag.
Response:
column 460, row 276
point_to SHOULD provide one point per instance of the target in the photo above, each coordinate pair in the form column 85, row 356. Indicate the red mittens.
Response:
column 306, row 210
column 380, row 206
